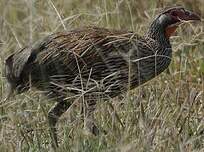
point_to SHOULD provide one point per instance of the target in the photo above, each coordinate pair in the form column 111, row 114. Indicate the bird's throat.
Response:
column 170, row 30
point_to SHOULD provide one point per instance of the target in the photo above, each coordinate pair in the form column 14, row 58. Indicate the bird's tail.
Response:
column 9, row 77
column 14, row 66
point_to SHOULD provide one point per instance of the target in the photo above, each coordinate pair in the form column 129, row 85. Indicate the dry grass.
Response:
column 166, row 114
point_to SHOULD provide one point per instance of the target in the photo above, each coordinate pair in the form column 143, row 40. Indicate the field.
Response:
column 165, row 114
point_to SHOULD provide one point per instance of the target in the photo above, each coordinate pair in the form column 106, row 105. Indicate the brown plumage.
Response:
column 94, row 63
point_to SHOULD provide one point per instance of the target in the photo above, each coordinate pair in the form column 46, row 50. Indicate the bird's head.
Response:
column 172, row 17
column 167, row 21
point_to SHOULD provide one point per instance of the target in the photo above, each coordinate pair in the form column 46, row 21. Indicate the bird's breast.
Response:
column 149, row 66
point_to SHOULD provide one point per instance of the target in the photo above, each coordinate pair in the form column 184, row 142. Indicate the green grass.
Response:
column 166, row 114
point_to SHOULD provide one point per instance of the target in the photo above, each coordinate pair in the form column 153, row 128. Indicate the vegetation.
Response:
column 166, row 114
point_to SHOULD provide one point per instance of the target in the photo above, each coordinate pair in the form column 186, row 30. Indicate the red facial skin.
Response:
column 178, row 15
column 169, row 31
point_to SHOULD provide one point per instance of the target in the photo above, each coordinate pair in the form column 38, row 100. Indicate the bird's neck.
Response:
column 157, row 33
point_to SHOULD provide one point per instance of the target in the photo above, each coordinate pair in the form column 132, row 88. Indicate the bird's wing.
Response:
column 85, row 46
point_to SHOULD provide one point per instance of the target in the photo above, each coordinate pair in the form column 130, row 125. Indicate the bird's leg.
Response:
column 53, row 115
column 89, row 124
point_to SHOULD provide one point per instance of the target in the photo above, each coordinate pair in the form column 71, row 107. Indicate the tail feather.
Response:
column 9, row 77
column 20, row 60
column 14, row 66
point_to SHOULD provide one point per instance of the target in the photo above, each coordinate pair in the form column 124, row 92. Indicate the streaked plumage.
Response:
column 91, row 62
column 104, row 60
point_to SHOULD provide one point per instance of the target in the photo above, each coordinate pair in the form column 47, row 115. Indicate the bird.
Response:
column 92, row 63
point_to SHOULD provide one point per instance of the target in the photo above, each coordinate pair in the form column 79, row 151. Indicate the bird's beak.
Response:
column 189, row 16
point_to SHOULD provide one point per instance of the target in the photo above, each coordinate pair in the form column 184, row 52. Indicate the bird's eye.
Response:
column 187, row 13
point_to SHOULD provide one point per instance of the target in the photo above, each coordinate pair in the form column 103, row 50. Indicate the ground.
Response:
column 166, row 114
